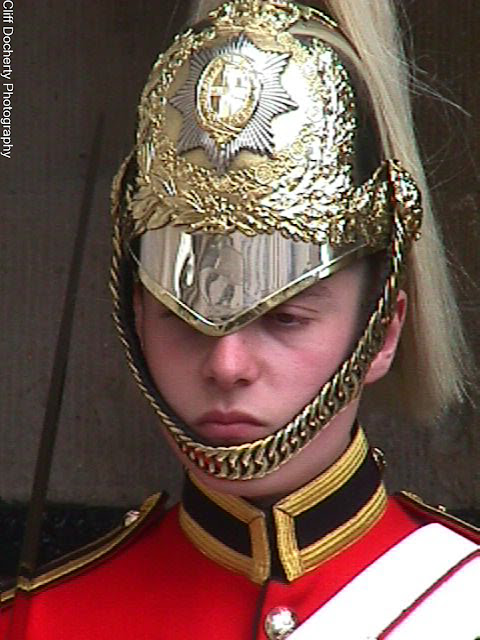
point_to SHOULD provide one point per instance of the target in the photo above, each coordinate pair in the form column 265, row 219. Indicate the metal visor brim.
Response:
column 220, row 283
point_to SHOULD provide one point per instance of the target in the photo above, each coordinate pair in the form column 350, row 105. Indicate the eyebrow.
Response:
column 318, row 291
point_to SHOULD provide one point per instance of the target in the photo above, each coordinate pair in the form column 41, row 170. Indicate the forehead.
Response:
column 345, row 283
column 317, row 292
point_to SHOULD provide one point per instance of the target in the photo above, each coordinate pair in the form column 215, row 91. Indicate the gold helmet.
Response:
column 248, row 184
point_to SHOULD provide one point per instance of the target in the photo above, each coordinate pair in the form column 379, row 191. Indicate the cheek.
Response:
column 315, row 363
column 167, row 355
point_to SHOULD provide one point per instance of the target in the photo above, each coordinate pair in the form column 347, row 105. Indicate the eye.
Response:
column 166, row 313
column 286, row 320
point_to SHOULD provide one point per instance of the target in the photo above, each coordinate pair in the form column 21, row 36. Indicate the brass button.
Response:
column 379, row 458
column 280, row 623
column 130, row 517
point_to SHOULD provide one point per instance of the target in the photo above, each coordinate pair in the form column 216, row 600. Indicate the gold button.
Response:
column 130, row 517
column 280, row 623
column 379, row 458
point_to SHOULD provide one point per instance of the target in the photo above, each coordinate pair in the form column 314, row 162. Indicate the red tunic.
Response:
column 159, row 583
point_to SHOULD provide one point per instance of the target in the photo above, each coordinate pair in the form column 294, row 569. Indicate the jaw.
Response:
column 322, row 452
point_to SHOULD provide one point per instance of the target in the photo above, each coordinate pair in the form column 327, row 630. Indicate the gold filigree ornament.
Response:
column 240, row 193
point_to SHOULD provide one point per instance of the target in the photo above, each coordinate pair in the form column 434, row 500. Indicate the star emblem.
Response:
column 230, row 99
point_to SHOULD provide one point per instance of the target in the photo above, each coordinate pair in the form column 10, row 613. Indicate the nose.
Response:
column 231, row 361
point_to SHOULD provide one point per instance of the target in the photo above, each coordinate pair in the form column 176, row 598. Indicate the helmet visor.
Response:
column 219, row 283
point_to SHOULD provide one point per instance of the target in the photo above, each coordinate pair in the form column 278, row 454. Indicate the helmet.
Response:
column 248, row 183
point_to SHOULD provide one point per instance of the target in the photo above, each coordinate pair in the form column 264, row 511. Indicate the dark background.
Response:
column 73, row 60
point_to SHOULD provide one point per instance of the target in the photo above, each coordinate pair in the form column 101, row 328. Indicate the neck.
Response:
column 330, row 454
column 320, row 454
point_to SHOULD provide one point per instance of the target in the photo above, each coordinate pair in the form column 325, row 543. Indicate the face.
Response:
column 245, row 386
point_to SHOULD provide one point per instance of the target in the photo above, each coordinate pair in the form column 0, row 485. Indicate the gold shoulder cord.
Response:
column 418, row 505
column 90, row 554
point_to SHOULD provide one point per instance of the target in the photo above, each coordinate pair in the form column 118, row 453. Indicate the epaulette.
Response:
column 415, row 504
column 94, row 553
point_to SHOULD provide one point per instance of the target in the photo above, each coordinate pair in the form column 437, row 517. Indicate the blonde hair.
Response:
column 432, row 362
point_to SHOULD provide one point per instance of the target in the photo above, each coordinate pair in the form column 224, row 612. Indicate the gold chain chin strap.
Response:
column 261, row 457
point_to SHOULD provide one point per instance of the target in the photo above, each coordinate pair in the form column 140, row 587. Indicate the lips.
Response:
column 228, row 427
column 229, row 417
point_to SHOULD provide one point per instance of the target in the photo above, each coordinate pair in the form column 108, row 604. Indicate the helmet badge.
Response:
column 230, row 99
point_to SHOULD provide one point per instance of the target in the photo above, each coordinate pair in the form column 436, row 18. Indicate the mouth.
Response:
column 230, row 427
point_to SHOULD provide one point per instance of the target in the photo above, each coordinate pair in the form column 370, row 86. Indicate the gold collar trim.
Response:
column 305, row 527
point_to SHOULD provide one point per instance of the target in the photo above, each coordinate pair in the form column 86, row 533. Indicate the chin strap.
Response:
column 261, row 457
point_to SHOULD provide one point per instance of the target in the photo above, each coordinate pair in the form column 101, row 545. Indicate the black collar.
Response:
column 297, row 533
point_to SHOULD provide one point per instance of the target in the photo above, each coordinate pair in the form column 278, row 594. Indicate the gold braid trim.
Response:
column 297, row 562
